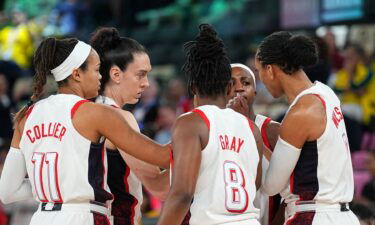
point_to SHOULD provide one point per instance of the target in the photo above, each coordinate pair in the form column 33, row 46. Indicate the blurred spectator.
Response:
column 165, row 121
column 322, row 70
column 12, row 72
column 6, row 108
column 16, row 42
column 355, row 85
column 176, row 96
column 146, row 111
column 64, row 19
column 368, row 192
column 336, row 58
column 364, row 213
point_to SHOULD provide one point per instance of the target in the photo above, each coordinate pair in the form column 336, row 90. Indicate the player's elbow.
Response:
column 269, row 190
column 184, row 198
column 5, row 196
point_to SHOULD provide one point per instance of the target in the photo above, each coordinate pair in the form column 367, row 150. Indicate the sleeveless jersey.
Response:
column 268, row 205
column 124, row 185
column 63, row 166
column 324, row 171
column 225, row 188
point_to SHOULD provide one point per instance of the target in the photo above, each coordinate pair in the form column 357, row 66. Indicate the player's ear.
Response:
column 115, row 74
column 76, row 75
column 270, row 71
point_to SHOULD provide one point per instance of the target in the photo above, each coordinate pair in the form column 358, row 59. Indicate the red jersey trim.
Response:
column 29, row 110
column 263, row 131
column 321, row 99
column 203, row 116
column 76, row 106
column 251, row 124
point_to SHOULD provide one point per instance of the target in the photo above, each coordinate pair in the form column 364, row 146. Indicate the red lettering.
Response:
column 222, row 142
column 233, row 145
column 240, row 143
column 28, row 132
column 337, row 116
column 37, row 132
column 49, row 130
column 226, row 142
column 57, row 130
column 63, row 130
column 43, row 134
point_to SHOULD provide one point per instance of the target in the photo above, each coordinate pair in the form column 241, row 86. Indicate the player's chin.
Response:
column 134, row 101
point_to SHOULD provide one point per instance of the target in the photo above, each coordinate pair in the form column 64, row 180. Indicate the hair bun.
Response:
column 207, row 44
column 105, row 38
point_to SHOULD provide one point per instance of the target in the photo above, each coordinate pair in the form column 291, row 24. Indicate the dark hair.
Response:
column 290, row 52
column 50, row 54
column 207, row 65
column 113, row 50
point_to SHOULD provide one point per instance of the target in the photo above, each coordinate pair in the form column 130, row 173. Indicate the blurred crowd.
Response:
column 349, row 71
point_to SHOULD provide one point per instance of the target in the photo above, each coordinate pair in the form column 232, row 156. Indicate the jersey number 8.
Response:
column 236, row 196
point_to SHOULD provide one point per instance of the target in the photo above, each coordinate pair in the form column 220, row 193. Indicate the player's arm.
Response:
column 305, row 121
column 114, row 126
column 260, row 148
column 273, row 132
column 152, row 178
column 187, row 138
column 13, row 185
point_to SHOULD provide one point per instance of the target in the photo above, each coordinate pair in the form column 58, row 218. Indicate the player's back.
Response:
column 324, row 171
column 225, row 188
column 63, row 166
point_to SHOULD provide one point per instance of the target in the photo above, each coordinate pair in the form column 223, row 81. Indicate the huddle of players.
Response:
column 220, row 157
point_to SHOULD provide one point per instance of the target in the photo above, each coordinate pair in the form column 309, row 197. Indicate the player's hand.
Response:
column 239, row 104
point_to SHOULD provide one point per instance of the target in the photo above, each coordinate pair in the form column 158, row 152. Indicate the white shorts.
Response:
column 321, row 215
column 71, row 214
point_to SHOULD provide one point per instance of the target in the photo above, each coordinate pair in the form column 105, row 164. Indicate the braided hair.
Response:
column 207, row 65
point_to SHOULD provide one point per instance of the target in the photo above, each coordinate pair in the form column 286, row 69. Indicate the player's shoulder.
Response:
column 307, row 107
column 193, row 120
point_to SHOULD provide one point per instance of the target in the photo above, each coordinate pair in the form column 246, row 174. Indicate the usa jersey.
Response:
column 124, row 185
column 324, row 171
column 225, row 188
column 268, row 205
column 63, row 166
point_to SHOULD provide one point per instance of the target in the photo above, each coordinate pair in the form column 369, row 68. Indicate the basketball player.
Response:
column 216, row 151
column 312, row 154
column 60, row 139
column 244, row 84
column 124, row 68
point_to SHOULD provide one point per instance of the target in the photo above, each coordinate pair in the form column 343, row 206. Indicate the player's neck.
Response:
column 220, row 101
column 114, row 95
column 251, row 113
column 295, row 84
column 71, row 90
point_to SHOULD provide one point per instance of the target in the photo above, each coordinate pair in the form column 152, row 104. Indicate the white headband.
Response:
column 76, row 58
column 242, row 66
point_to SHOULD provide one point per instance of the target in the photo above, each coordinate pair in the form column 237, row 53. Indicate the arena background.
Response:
column 343, row 29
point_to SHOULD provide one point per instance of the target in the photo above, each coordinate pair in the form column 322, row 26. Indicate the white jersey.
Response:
column 268, row 205
column 63, row 166
column 124, row 184
column 225, row 188
column 323, row 173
